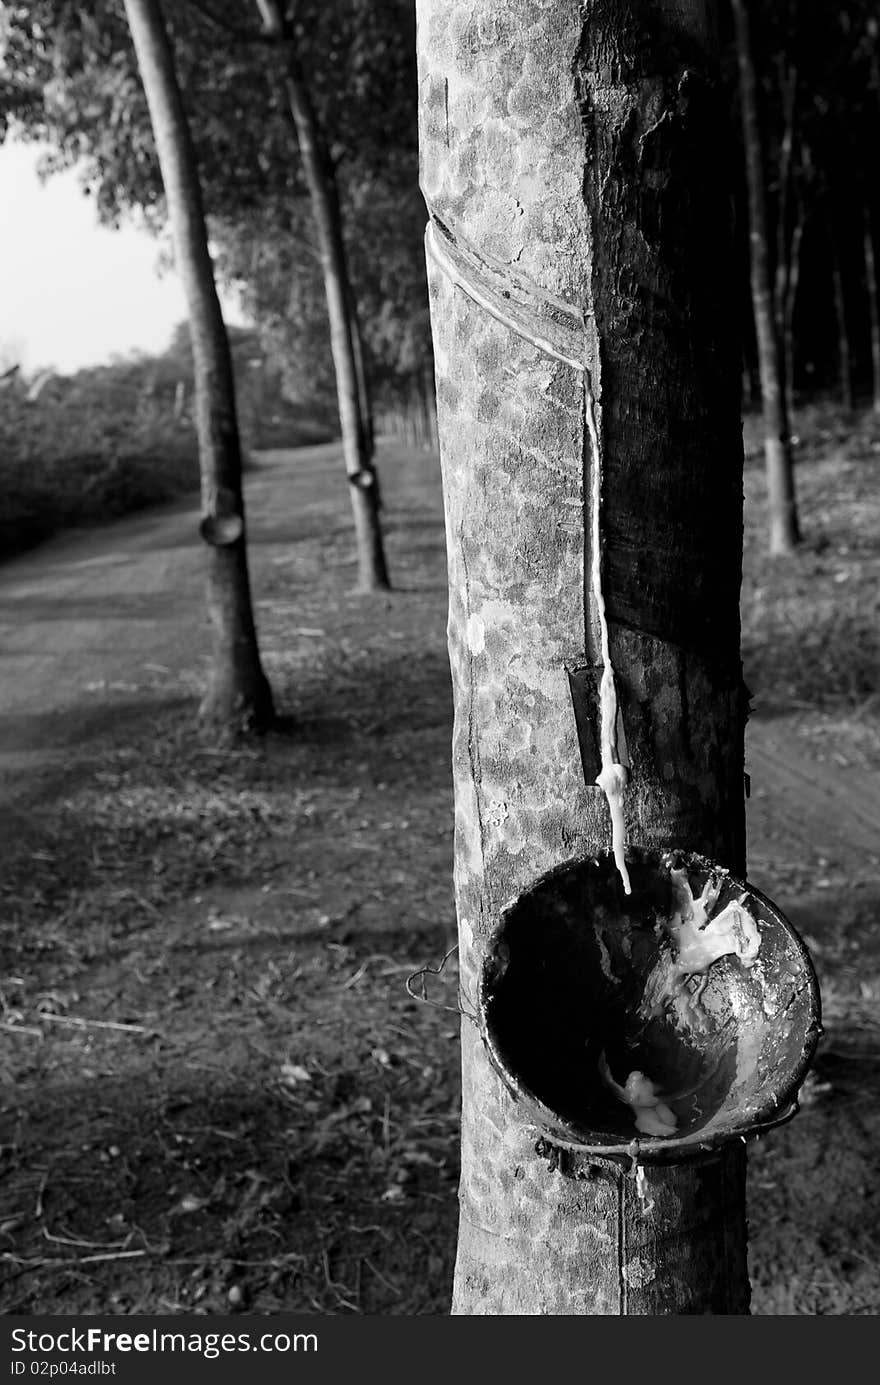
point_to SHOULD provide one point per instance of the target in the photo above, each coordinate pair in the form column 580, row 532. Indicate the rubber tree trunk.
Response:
column 873, row 309
column 353, row 413
column 792, row 283
column 587, row 366
column 844, row 355
column 365, row 401
column 238, row 698
column 787, row 244
column 782, row 508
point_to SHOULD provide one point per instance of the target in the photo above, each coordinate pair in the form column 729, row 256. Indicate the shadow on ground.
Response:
column 314, row 1194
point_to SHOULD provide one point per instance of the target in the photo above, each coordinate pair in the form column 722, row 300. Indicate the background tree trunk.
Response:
column 792, row 282
column 844, row 355
column 784, row 527
column 238, row 697
column 874, row 311
column 587, row 366
column 788, row 85
column 787, row 244
column 365, row 401
column 341, row 311
column 372, row 568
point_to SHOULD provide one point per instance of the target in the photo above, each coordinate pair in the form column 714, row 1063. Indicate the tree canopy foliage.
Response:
column 70, row 79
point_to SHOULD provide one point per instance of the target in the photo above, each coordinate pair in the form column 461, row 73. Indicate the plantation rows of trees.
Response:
column 290, row 134
column 817, row 69
column 69, row 77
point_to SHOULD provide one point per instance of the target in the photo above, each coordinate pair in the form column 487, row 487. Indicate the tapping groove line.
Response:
column 559, row 330
column 547, row 322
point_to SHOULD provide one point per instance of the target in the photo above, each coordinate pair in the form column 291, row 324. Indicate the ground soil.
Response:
column 216, row 1091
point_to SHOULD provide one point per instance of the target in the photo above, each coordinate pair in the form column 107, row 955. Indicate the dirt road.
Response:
column 97, row 619
column 109, row 607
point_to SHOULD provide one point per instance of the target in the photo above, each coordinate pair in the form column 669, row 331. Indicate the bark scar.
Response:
column 473, row 746
column 540, row 317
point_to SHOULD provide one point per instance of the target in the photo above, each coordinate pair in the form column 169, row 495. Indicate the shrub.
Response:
column 112, row 439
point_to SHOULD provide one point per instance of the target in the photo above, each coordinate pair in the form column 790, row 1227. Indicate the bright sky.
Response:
column 72, row 292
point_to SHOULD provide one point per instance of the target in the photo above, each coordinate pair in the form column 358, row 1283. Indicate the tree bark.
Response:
column 788, row 84
column 792, row 282
column 587, row 367
column 871, row 282
column 238, row 698
column 844, row 355
column 321, row 182
column 365, row 402
column 787, row 246
column 784, row 527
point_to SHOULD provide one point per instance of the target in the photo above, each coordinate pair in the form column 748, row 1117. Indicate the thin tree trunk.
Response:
column 321, row 183
column 792, row 283
column 787, row 246
column 844, row 355
column 238, row 698
column 372, row 567
column 783, row 243
column 750, row 388
column 587, row 365
column 365, row 403
column 784, row 528
column 871, row 283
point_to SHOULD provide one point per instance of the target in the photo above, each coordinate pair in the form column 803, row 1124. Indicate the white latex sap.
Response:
column 612, row 777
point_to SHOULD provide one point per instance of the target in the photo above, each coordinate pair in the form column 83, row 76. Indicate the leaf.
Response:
column 292, row 1074
column 191, row 1203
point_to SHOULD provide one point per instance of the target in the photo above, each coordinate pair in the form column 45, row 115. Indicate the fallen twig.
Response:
column 275, row 1263
column 83, row 1245
column 49, row 1262
column 356, row 976
column 75, row 1022
column 38, row 1205
column 112, row 1255
column 381, row 1277
column 144, row 903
